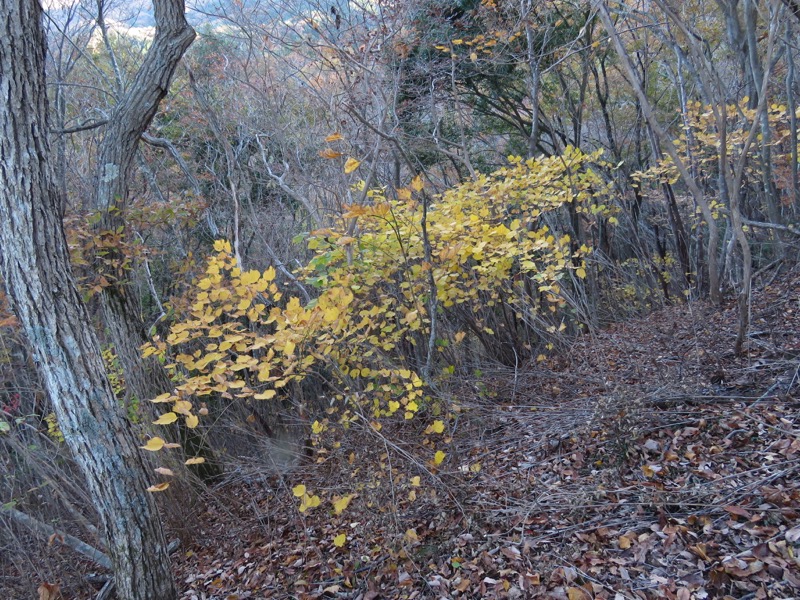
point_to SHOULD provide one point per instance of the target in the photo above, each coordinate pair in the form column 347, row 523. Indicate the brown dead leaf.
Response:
column 577, row 593
column 738, row 511
column 463, row 585
column 49, row 591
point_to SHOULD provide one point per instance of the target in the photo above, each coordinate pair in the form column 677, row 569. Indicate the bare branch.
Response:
column 84, row 127
column 47, row 532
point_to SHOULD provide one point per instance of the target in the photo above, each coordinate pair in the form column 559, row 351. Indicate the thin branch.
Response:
column 280, row 180
column 170, row 147
column 79, row 128
column 233, row 173
column 761, row 225
column 45, row 531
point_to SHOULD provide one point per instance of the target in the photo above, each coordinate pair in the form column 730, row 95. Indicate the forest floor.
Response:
column 644, row 461
column 647, row 461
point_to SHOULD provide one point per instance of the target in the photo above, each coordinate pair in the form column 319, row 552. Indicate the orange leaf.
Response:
column 159, row 487
column 329, row 153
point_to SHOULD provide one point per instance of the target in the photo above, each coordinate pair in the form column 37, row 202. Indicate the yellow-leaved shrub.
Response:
column 491, row 246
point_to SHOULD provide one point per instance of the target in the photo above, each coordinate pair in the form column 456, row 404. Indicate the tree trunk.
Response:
column 36, row 270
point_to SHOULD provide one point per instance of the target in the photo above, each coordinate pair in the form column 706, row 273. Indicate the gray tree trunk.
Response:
column 36, row 271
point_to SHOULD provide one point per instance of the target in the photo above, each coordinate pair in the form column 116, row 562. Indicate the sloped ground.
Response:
column 648, row 462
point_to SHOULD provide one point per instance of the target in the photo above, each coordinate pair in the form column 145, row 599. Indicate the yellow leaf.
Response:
column 417, row 184
column 265, row 395
column 580, row 272
column 308, row 502
column 222, row 246
column 165, row 397
column 437, row 427
column 411, row 535
column 166, row 419
column 412, row 495
column 159, row 487
column 288, row 348
column 299, row 490
column 153, row 445
column 164, row 471
column 473, row 57
column 250, row 277
column 458, row 42
column 341, row 504
column 415, row 481
column 438, row 457
column 339, row 540
column 334, row 137
column 192, row 421
column 182, row 407
column 197, row 460
column 475, row 467
column 317, row 427
column 331, row 314
column 393, row 406
column 351, row 165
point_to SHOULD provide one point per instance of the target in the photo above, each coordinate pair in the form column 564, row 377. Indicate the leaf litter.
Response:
column 644, row 461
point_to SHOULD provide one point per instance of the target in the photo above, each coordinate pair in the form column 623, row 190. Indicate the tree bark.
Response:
column 37, row 273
